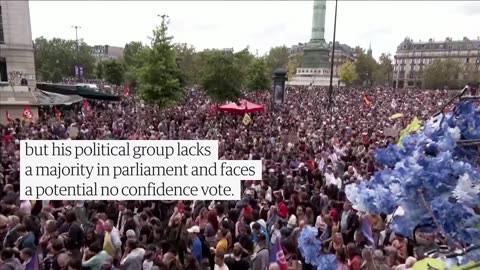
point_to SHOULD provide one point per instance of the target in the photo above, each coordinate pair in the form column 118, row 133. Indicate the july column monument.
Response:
column 315, row 69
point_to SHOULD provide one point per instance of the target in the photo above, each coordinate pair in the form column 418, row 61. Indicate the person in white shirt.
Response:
column 219, row 262
column 133, row 256
column 330, row 178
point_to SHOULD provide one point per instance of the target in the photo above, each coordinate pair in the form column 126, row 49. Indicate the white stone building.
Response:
column 412, row 58
column 17, row 64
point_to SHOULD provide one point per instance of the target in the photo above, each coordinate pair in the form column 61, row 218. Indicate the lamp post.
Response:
column 330, row 87
column 77, row 67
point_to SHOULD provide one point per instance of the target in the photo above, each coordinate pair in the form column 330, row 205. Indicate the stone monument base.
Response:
column 312, row 76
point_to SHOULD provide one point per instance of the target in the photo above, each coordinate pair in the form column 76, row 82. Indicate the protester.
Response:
column 309, row 154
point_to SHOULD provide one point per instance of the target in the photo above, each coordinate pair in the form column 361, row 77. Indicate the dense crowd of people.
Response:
column 309, row 154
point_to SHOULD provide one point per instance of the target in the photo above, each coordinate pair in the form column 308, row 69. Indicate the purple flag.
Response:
column 277, row 256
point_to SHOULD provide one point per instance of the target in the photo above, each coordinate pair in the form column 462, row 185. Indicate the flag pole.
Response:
column 330, row 87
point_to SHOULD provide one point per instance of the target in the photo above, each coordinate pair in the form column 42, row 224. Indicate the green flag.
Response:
column 414, row 126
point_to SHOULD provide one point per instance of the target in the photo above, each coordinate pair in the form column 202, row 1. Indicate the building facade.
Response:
column 343, row 53
column 106, row 52
column 412, row 58
column 16, row 47
column 17, row 64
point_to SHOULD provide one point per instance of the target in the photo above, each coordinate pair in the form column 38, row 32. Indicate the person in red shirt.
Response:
column 333, row 211
column 355, row 262
column 282, row 208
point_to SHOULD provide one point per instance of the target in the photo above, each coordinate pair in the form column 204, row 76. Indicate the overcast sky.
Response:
column 258, row 24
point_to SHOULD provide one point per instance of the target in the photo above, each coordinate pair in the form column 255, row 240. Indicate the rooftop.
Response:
column 447, row 44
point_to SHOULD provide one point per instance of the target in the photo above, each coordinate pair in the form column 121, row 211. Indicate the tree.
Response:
column 220, row 76
column 470, row 74
column 86, row 60
column 366, row 67
column 257, row 78
column 440, row 74
column 385, row 68
column 56, row 59
column 277, row 57
column 114, row 72
column 187, row 59
column 131, row 53
column 159, row 76
column 294, row 62
column 347, row 73
column 100, row 70
column 131, row 58
column 244, row 59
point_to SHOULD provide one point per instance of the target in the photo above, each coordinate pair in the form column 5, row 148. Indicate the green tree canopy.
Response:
column 294, row 62
column 55, row 59
column 257, row 79
column 114, row 72
column 385, row 68
column 100, row 70
column 131, row 53
column 277, row 57
column 131, row 58
column 442, row 73
column 470, row 74
column 220, row 76
column 366, row 67
column 187, row 59
column 243, row 60
column 347, row 73
column 159, row 76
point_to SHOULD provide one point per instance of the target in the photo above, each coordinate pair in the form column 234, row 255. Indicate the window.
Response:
column 2, row 38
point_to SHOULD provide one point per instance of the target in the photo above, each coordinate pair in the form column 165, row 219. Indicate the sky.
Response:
column 257, row 24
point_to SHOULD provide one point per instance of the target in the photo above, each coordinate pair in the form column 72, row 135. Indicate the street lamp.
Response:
column 330, row 87
column 77, row 69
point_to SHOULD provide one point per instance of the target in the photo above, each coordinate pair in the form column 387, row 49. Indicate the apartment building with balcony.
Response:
column 412, row 58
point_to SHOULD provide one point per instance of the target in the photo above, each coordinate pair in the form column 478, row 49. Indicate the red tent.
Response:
column 232, row 107
column 251, row 107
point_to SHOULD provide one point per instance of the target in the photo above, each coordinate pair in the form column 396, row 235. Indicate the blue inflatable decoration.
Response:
column 311, row 248
column 435, row 177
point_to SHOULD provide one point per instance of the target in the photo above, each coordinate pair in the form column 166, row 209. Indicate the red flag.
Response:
column 56, row 112
column 213, row 108
column 9, row 117
column 86, row 107
column 367, row 100
column 127, row 91
column 27, row 114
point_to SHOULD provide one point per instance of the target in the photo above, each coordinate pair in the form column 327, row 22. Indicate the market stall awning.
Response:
column 91, row 93
column 251, row 107
column 71, row 90
column 232, row 107
column 49, row 98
